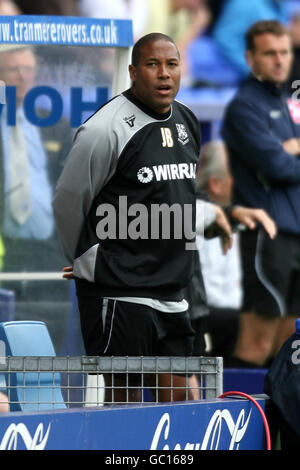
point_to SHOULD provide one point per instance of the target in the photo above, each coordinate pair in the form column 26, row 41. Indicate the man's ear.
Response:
column 132, row 72
column 249, row 58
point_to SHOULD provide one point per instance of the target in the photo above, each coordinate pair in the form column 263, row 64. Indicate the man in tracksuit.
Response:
column 262, row 129
column 125, row 209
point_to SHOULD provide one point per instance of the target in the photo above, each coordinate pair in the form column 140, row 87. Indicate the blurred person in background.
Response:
column 31, row 160
column 2, row 252
column 221, row 273
column 9, row 7
column 134, row 276
column 137, row 281
column 183, row 20
column 48, row 7
column 136, row 10
column 214, row 292
column 262, row 134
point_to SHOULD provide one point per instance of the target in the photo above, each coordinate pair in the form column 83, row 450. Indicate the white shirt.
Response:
column 221, row 273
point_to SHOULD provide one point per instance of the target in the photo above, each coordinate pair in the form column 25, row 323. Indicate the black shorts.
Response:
column 271, row 273
column 120, row 328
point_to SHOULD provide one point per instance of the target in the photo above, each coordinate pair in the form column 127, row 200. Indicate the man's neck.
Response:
column 268, row 82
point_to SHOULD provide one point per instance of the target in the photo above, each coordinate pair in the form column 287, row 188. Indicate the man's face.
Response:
column 17, row 69
column 272, row 58
column 156, row 77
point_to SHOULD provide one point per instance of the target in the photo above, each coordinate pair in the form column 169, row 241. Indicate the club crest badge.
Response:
column 182, row 134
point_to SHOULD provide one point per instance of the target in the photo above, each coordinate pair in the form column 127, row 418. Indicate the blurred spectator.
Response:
column 137, row 10
column 31, row 160
column 196, row 297
column 221, row 273
column 235, row 19
column 294, row 28
column 216, row 57
column 7, row 7
column 215, row 9
column 262, row 134
column 183, row 20
column 48, row 7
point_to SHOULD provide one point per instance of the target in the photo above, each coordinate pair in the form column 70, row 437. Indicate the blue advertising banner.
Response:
column 215, row 425
column 65, row 31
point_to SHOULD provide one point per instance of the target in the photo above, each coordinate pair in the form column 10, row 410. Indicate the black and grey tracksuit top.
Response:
column 127, row 160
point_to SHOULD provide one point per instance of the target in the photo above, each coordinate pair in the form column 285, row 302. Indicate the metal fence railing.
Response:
column 43, row 383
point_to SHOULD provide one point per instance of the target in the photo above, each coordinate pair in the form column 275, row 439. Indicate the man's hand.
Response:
column 292, row 146
column 225, row 229
column 221, row 227
column 68, row 273
column 250, row 217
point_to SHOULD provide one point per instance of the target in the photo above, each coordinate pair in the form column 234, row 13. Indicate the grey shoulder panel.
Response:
column 120, row 119
column 92, row 161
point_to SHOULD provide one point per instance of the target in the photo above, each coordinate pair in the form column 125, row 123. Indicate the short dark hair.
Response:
column 263, row 27
column 151, row 37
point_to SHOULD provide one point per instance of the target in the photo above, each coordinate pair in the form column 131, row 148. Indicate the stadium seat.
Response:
column 42, row 390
